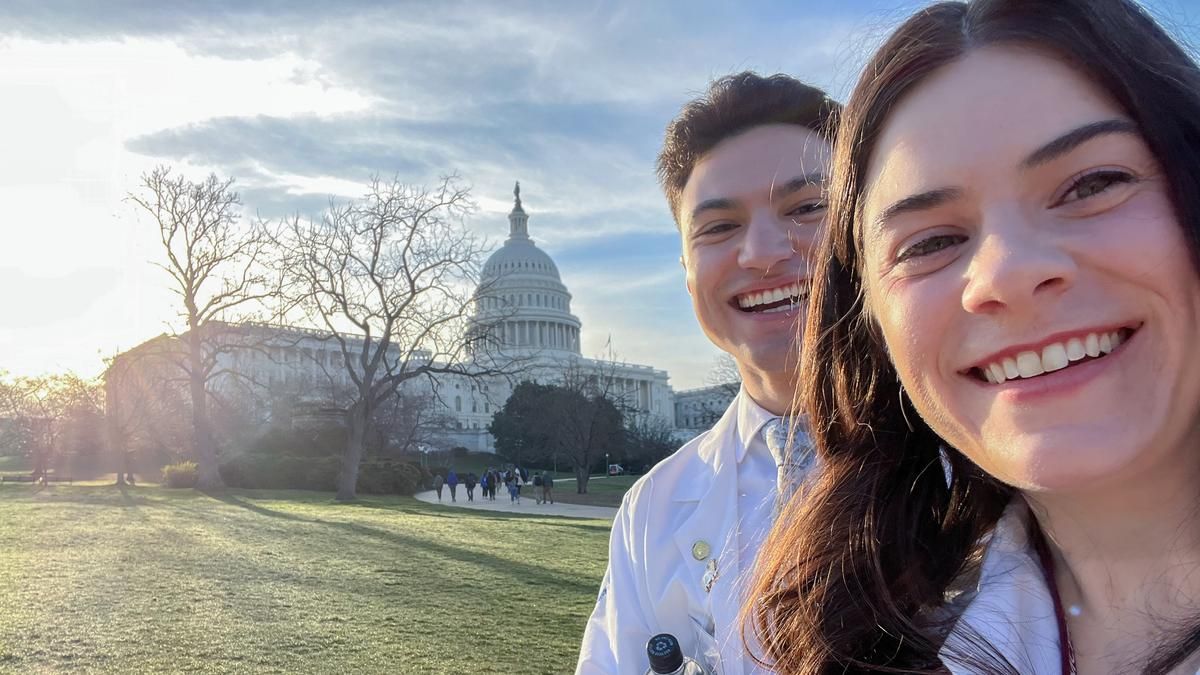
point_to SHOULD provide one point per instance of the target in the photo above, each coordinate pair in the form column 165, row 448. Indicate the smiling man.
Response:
column 743, row 169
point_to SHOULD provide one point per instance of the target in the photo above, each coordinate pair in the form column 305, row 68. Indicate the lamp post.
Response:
column 606, row 464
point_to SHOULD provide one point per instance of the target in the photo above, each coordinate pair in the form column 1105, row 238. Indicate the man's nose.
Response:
column 766, row 242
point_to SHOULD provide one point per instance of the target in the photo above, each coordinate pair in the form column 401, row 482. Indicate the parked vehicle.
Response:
column 616, row 470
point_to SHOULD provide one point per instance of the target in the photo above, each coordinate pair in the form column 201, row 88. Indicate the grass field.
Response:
column 93, row 579
column 602, row 490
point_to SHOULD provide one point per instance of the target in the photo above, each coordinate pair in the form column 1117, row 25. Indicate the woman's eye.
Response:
column 806, row 209
column 930, row 246
column 1094, row 184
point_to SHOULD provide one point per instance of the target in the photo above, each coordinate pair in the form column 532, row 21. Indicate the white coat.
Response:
column 1009, row 607
column 655, row 583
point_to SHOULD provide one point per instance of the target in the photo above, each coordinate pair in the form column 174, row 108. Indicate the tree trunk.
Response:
column 203, row 445
column 347, row 486
column 581, row 479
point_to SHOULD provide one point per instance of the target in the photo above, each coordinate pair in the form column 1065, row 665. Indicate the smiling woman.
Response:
column 999, row 360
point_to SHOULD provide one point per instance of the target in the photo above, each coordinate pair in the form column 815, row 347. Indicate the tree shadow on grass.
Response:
column 528, row 572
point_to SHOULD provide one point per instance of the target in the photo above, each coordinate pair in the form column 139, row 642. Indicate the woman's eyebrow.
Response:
column 922, row 201
column 1074, row 138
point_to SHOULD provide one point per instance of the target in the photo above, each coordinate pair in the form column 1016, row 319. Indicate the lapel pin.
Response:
column 710, row 575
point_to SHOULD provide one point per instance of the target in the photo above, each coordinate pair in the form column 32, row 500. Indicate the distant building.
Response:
column 698, row 409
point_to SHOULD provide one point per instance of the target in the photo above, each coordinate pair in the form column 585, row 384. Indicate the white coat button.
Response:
column 701, row 550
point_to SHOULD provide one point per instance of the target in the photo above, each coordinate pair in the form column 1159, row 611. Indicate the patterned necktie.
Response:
column 791, row 459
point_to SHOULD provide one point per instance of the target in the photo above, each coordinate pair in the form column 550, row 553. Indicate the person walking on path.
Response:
column 547, row 488
column 514, row 492
column 518, row 479
column 437, row 485
column 537, row 487
column 471, row 480
column 452, row 481
column 483, row 485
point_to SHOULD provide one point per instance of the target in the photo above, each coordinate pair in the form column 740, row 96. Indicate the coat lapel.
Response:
column 713, row 494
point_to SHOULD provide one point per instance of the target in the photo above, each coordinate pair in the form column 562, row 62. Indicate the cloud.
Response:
column 301, row 100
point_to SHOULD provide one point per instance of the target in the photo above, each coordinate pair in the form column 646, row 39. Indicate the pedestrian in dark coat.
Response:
column 452, row 481
column 471, row 480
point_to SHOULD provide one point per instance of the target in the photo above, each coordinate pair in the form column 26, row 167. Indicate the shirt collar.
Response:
column 751, row 417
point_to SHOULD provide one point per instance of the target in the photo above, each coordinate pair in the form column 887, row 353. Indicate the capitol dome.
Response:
column 521, row 297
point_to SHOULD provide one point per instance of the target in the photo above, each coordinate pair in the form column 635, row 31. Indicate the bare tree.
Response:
column 725, row 375
column 409, row 421
column 44, row 409
column 724, row 381
column 588, row 426
column 392, row 277
column 145, row 406
column 214, row 262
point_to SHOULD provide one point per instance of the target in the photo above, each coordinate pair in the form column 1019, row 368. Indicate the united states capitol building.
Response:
column 527, row 308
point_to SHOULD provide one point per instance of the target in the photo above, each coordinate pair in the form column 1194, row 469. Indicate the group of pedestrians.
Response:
column 451, row 481
column 513, row 478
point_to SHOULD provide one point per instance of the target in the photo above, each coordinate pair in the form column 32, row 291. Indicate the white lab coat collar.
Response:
column 1011, row 609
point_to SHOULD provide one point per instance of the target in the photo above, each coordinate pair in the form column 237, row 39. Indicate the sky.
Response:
column 300, row 101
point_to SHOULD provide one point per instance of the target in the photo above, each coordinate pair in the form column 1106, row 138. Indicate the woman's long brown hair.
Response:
column 854, row 571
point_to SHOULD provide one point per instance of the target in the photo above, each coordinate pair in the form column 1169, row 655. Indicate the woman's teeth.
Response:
column 1052, row 357
column 754, row 302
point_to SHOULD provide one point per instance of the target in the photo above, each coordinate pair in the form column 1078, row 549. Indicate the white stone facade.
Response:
column 698, row 409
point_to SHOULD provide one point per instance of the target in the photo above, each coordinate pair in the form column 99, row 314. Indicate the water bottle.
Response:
column 666, row 657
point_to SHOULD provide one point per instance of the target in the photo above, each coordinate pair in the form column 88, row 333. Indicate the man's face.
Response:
column 751, row 213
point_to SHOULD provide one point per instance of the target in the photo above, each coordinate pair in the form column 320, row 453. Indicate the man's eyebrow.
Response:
column 1076, row 137
column 922, row 201
column 799, row 183
column 716, row 204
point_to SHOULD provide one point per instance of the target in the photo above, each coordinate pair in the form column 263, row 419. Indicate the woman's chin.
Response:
column 1040, row 464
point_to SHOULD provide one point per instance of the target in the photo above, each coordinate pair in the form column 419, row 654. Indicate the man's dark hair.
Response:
column 734, row 104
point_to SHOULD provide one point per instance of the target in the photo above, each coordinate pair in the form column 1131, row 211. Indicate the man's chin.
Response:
column 776, row 360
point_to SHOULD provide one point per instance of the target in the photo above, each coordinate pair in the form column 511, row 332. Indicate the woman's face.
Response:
column 1026, row 269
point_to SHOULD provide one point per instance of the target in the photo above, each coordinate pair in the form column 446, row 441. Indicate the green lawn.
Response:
column 152, row 580
column 602, row 490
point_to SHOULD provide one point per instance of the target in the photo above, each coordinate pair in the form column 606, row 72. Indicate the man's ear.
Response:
column 687, row 282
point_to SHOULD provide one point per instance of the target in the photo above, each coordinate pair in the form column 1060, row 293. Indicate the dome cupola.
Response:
column 522, row 294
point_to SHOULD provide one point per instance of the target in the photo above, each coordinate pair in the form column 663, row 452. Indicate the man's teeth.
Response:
column 792, row 292
column 1052, row 357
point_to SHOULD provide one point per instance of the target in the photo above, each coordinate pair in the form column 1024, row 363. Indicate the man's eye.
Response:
column 717, row 228
column 1095, row 183
column 806, row 209
column 930, row 246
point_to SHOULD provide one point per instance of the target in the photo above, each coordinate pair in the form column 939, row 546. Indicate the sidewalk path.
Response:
column 528, row 505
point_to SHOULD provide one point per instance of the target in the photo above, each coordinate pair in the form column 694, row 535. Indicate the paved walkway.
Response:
column 527, row 506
